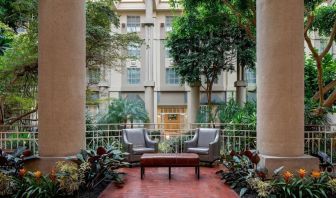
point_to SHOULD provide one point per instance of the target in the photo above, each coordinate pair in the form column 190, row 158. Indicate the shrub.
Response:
column 100, row 165
column 67, row 177
column 302, row 185
column 34, row 184
column 241, row 167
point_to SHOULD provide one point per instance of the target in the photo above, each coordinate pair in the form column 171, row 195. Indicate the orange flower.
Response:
column 316, row 174
column 302, row 172
column 37, row 174
column 287, row 176
column 22, row 172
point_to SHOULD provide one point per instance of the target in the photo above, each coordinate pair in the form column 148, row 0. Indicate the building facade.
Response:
column 149, row 76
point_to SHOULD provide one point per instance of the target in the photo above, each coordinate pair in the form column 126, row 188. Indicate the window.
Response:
column 94, row 76
column 169, row 23
column 167, row 52
column 133, row 23
column 323, row 45
column 172, row 77
column 133, row 51
column 250, row 76
column 133, row 76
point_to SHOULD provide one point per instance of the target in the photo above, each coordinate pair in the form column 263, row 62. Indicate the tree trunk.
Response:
column 2, row 113
column 209, row 97
column 320, row 81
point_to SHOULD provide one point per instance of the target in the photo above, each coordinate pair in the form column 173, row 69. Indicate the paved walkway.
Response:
column 183, row 184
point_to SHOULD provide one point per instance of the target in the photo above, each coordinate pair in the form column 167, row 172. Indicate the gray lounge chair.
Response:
column 137, row 142
column 205, row 143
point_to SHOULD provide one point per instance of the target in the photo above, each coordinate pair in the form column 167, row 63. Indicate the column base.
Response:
column 307, row 162
column 44, row 164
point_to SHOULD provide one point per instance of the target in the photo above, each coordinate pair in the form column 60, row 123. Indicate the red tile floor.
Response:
column 183, row 184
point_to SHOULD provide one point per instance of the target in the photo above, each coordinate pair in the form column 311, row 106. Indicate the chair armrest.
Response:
column 151, row 143
column 214, row 147
column 128, row 145
column 191, row 143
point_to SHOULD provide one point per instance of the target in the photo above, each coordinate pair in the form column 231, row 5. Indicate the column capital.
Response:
column 240, row 83
column 149, row 84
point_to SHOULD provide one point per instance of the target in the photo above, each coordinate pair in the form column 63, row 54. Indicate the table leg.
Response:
column 169, row 170
column 142, row 171
column 198, row 172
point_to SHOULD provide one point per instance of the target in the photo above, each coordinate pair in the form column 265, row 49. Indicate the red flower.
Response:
column 232, row 153
column 22, row 172
column 27, row 153
column 248, row 154
column 255, row 159
column 101, row 151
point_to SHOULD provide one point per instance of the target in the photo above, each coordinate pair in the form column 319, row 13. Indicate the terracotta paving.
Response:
column 183, row 184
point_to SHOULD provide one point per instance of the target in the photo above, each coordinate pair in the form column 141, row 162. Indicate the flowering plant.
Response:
column 100, row 165
column 302, row 184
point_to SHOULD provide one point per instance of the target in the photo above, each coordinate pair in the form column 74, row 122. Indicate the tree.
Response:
column 19, row 55
column 321, row 19
column 201, row 44
column 124, row 110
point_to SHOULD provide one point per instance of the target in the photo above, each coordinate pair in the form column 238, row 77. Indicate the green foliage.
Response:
column 100, row 165
column 37, row 187
column 325, row 17
column 329, row 73
column 232, row 113
column 18, row 13
column 172, row 144
column 104, row 48
column 240, row 167
column 201, row 43
column 311, row 117
column 123, row 110
column 302, row 187
column 6, row 37
column 19, row 51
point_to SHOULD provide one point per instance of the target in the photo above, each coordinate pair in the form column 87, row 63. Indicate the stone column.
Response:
column 280, row 97
column 149, row 81
column 193, row 103
column 61, row 82
column 240, row 85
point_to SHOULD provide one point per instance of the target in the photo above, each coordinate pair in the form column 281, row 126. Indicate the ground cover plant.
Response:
column 247, row 180
column 85, row 176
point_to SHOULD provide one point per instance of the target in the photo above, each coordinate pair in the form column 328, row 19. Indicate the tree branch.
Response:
column 331, row 85
column 307, row 38
column 330, row 42
column 330, row 100
column 22, row 116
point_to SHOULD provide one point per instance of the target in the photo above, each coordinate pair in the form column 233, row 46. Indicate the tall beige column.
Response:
column 149, row 80
column 280, row 97
column 193, row 103
column 240, row 85
column 61, row 82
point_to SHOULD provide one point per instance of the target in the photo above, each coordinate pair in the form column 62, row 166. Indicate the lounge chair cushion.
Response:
column 141, row 150
column 136, row 137
column 206, row 136
column 199, row 150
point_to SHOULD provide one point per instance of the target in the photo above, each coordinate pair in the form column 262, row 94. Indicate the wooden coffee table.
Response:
column 170, row 160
